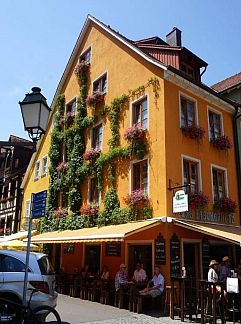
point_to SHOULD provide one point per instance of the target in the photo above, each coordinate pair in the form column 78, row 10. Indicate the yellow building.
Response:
column 134, row 117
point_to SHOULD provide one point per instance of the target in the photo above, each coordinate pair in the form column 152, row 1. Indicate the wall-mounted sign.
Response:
column 68, row 248
column 113, row 249
column 180, row 202
column 160, row 250
column 175, row 256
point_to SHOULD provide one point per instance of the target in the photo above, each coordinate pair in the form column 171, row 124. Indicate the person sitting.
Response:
column 105, row 275
column 121, row 278
column 85, row 272
column 139, row 274
column 155, row 287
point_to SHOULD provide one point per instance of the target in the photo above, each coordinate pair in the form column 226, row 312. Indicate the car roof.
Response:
column 21, row 254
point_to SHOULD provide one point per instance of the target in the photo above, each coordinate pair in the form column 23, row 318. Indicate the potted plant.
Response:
column 222, row 143
column 91, row 101
column 137, row 199
column 197, row 200
column 193, row 132
column 134, row 133
column 91, row 155
column 81, row 67
column 226, row 205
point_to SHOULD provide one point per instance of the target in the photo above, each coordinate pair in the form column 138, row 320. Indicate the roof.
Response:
column 228, row 233
column 228, row 83
column 94, row 234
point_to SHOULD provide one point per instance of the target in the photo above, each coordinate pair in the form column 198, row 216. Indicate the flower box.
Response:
column 226, row 205
column 60, row 212
column 62, row 167
column 81, row 67
column 222, row 143
column 137, row 199
column 91, row 101
column 134, row 133
column 193, row 132
column 91, row 155
column 197, row 200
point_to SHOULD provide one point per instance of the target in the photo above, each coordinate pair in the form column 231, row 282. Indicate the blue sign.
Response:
column 39, row 204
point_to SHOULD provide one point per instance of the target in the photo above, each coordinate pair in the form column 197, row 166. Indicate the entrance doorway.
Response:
column 191, row 253
column 92, row 258
column 140, row 254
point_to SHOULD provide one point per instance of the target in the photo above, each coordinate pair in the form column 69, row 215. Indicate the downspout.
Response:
column 237, row 154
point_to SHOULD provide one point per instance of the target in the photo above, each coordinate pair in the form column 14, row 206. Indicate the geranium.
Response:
column 91, row 210
column 94, row 99
column 91, row 155
column 197, row 200
column 134, row 133
column 81, row 68
column 226, row 205
column 222, row 143
column 137, row 199
column 193, row 132
column 62, row 167
column 60, row 212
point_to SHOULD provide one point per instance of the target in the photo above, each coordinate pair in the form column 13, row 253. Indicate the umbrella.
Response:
column 17, row 245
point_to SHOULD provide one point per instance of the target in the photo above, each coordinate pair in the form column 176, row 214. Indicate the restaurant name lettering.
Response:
column 209, row 216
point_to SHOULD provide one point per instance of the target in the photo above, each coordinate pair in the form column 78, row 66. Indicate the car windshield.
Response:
column 45, row 266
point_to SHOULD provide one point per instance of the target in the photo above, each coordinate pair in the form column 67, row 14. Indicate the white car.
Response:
column 40, row 276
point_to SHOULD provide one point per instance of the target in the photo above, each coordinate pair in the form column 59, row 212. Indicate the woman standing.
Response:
column 213, row 271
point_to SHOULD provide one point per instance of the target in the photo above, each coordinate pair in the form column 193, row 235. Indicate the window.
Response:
column 140, row 113
column 96, row 138
column 100, row 85
column 86, row 56
column 71, row 108
column 214, row 125
column 190, row 176
column 93, row 191
column 188, row 117
column 44, row 165
column 10, row 264
column 27, row 208
column 140, row 176
column 219, row 187
column 37, row 170
column 187, row 70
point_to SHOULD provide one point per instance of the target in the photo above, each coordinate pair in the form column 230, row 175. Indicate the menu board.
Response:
column 69, row 248
column 205, row 257
column 160, row 250
column 113, row 249
column 175, row 256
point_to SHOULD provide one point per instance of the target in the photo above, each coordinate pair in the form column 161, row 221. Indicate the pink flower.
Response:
column 60, row 212
column 134, row 133
column 62, row 166
column 137, row 199
column 197, row 200
column 193, row 132
column 81, row 67
column 89, row 210
column 91, row 155
column 226, row 205
column 222, row 143
column 94, row 99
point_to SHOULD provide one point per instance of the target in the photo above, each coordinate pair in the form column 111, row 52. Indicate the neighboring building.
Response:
column 13, row 164
column 170, row 132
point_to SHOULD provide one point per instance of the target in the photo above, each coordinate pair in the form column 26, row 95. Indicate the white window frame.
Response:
column 192, row 159
column 214, row 166
column 70, row 102
column 99, row 77
column 221, row 120
column 27, row 208
column 91, row 133
column 37, row 170
column 84, row 53
column 133, row 103
column 184, row 95
column 44, row 166
column 88, row 195
column 131, row 174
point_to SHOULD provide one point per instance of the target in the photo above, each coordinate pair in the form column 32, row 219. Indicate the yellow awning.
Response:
column 94, row 234
column 228, row 233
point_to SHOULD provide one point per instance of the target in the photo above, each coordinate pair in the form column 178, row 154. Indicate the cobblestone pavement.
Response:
column 137, row 319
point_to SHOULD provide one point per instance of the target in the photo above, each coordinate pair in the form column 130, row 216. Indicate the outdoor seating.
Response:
column 107, row 289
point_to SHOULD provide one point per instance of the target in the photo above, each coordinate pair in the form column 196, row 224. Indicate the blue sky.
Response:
column 37, row 38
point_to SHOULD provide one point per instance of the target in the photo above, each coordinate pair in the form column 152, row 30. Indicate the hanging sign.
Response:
column 39, row 204
column 180, row 202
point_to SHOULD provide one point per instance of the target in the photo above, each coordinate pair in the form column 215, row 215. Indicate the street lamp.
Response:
column 35, row 113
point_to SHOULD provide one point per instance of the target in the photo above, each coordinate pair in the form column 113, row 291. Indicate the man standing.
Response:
column 156, row 286
column 224, row 270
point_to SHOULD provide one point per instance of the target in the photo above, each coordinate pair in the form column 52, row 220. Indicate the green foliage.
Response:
column 139, row 149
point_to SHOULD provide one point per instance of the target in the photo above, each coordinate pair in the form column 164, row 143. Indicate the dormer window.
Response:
column 86, row 56
column 187, row 70
column 100, row 85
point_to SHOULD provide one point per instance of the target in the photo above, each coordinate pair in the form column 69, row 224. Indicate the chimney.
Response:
column 174, row 38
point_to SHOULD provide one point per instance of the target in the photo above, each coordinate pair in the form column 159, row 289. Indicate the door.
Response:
column 140, row 254
column 192, row 261
column 92, row 258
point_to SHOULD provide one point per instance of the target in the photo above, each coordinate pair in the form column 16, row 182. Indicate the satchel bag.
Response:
column 232, row 285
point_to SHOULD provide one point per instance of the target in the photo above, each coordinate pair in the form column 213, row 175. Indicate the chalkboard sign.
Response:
column 113, row 249
column 160, row 250
column 175, row 256
column 68, row 248
column 205, row 257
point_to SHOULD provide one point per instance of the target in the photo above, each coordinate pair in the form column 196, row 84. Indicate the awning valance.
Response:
column 102, row 234
column 228, row 233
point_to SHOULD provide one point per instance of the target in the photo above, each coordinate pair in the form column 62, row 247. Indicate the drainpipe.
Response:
column 237, row 154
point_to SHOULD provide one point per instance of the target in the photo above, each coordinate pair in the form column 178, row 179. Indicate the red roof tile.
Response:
column 228, row 83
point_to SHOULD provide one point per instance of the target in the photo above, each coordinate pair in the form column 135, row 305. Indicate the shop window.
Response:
column 37, row 170
column 219, row 184
column 93, row 191
column 140, row 176
column 188, row 116
column 190, row 176
column 96, row 137
column 215, row 130
column 71, row 108
column 44, row 166
column 100, row 85
column 140, row 113
column 86, row 56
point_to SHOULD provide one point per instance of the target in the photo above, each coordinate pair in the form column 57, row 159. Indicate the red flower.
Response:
column 222, row 143
column 226, row 205
column 91, row 155
column 197, row 200
column 134, row 133
column 193, row 132
column 89, row 210
column 137, row 199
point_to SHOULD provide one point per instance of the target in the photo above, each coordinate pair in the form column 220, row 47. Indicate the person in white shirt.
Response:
column 156, row 286
column 139, row 274
column 213, row 271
